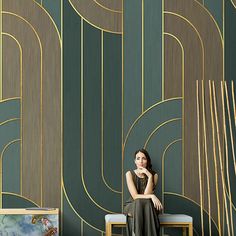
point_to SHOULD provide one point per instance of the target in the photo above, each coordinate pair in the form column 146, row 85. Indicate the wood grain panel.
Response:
column 47, row 79
column 11, row 67
column 98, row 16
column 173, row 67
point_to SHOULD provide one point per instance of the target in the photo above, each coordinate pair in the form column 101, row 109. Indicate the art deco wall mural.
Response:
column 84, row 83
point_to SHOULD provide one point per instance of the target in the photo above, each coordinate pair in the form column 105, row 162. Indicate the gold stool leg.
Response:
column 184, row 231
column 190, row 229
column 108, row 229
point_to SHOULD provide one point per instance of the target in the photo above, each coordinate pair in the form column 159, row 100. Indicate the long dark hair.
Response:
column 149, row 162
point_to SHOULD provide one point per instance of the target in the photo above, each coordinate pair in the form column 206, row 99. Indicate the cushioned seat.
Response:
column 166, row 220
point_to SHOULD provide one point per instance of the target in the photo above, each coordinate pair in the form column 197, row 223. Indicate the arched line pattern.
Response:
column 234, row 5
column 102, row 116
column 17, row 195
column 183, row 77
column 199, row 36
column 191, row 200
column 2, row 152
column 220, row 155
column 233, row 99
column 109, row 31
column 106, row 8
column 82, row 124
column 51, row 19
column 41, row 88
column 21, row 84
column 158, row 127
column 163, row 166
column 226, row 148
column 9, row 99
column 140, row 116
column 206, row 156
column 80, row 217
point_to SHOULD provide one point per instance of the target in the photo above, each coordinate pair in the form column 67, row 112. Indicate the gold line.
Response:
column 191, row 200
column 53, row 22
column 102, row 117
column 106, row 8
column 42, row 2
column 2, row 152
column 220, row 157
column 148, row 109
column 206, row 156
column 183, row 61
column 82, row 123
column 21, row 68
column 156, row 129
column 62, row 121
column 9, row 99
column 15, row 194
column 41, row 99
column 233, row 3
column 226, row 148
column 215, row 162
column 81, row 227
column 163, row 52
column 234, row 107
column 1, row 78
column 163, row 168
column 114, row 32
column 230, row 127
column 199, row 155
column 80, row 217
column 122, row 110
column 10, row 120
column 142, row 49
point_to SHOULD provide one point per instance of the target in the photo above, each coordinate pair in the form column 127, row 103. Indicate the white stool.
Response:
column 166, row 220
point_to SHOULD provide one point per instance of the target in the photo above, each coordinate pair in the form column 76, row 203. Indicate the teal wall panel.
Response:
column 10, row 109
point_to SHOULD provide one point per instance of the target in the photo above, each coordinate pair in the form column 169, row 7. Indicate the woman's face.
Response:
column 140, row 160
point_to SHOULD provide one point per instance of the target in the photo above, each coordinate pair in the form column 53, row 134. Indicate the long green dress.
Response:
column 142, row 216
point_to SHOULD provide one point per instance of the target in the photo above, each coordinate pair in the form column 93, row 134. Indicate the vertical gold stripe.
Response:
column 234, row 108
column 199, row 156
column 215, row 162
column 220, row 156
column 206, row 157
column 62, row 121
column 226, row 148
column 81, row 227
column 1, row 83
column 142, row 56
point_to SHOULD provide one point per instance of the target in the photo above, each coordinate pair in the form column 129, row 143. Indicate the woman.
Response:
column 143, row 206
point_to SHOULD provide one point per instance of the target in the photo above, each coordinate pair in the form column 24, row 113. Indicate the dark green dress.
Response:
column 142, row 216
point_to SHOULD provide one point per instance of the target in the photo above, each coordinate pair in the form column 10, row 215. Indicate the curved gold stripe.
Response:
column 215, row 162
column 199, row 155
column 15, row 194
column 217, row 26
column 102, row 117
column 226, row 147
column 80, row 217
column 10, row 120
column 53, row 22
column 9, row 99
column 183, row 77
column 233, row 4
column 82, row 123
column 109, row 31
column 163, row 167
column 41, row 86
column 206, row 156
column 220, row 155
column 233, row 99
column 2, row 152
column 191, row 200
column 106, row 8
column 148, row 109
column 157, row 128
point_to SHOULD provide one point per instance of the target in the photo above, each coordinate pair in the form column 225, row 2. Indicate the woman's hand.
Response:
column 142, row 170
column 156, row 202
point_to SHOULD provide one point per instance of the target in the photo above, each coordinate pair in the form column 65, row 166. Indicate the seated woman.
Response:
column 143, row 206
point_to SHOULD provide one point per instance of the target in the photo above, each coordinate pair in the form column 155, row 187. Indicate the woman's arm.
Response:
column 152, row 181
